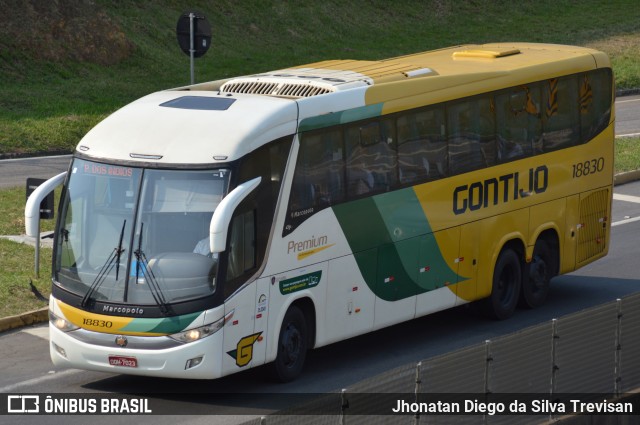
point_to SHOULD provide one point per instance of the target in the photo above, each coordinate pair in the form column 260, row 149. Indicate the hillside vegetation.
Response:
column 65, row 65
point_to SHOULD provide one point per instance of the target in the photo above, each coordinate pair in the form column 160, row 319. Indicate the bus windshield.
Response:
column 137, row 236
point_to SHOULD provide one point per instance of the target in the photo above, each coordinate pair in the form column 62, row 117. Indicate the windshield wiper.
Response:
column 106, row 268
column 120, row 250
column 147, row 273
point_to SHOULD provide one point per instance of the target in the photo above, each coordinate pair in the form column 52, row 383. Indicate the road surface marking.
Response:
column 626, row 198
column 35, row 381
column 627, row 135
column 40, row 331
column 627, row 101
column 628, row 220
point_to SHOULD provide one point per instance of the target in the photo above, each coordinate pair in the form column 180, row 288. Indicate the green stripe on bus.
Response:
column 362, row 224
column 167, row 325
column 342, row 117
column 391, row 239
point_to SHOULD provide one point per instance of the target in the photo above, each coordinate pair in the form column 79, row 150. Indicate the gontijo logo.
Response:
column 498, row 190
column 244, row 349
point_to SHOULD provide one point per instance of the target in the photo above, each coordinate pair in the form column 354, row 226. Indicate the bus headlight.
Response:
column 198, row 333
column 60, row 323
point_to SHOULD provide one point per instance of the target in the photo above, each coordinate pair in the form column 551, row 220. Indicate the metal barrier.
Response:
column 593, row 351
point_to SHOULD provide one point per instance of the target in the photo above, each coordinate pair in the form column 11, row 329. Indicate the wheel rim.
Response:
column 538, row 274
column 506, row 285
column 291, row 345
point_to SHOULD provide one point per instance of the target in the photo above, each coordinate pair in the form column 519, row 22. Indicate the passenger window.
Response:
column 242, row 247
column 595, row 102
column 560, row 125
column 278, row 155
column 319, row 176
column 471, row 135
column 518, row 123
column 371, row 157
column 422, row 147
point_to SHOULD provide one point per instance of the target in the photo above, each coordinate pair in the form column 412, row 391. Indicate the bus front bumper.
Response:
column 194, row 360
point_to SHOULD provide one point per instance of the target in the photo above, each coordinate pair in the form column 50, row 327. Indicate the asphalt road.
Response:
column 14, row 172
column 627, row 113
column 26, row 367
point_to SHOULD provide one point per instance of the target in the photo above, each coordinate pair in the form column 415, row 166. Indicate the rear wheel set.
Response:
column 515, row 284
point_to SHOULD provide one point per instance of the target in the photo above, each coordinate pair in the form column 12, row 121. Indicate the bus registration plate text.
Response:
column 123, row 361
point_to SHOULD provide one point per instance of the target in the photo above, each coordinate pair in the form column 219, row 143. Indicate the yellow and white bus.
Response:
column 213, row 228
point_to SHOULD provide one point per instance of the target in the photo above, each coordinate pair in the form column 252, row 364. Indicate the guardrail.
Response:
column 595, row 351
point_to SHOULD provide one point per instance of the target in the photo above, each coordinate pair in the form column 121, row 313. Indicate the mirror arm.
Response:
column 221, row 218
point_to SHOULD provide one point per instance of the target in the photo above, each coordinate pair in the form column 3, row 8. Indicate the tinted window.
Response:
column 471, row 134
column 560, row 124
column 371, row 157
column 518, row 122
column 319, row 176
column 422, row 147
column 242, row 247
column 595, row 102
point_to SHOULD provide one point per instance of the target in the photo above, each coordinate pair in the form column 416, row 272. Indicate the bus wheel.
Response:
column 507, row 278
column 292, row 345
column 535, row 286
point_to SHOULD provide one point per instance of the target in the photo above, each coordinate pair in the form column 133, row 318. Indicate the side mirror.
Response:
column 32, row 209
column 221, row 219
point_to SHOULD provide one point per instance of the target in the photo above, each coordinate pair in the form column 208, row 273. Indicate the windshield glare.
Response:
column 139, row 236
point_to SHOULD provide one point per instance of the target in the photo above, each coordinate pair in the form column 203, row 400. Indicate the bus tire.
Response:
column 537, row 277
column 507, row 279
column 292, row 346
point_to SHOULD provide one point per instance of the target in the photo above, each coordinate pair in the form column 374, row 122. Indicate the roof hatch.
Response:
column 486, row 54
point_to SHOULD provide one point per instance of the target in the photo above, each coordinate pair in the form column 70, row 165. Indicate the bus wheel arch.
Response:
column 544, row 265
column 295, row 337
column 308, row 308
column 507, row 281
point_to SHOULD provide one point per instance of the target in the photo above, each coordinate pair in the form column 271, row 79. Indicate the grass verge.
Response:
column 17, row 270
column 627, row 154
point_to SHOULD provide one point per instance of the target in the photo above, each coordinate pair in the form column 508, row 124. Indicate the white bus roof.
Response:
column 190, row 127
column 223, row 120
column 207, row 125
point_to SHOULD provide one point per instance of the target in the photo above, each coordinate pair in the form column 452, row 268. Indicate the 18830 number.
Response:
column 97, row 323
column 588, row 167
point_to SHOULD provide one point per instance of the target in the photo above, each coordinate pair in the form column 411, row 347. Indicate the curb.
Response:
column 46, row 239
column 627, row 92
column 629, row 176
column 21, row 155
column 24, row 319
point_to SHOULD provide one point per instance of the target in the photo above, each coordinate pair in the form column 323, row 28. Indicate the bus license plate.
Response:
column 123, row 361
